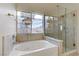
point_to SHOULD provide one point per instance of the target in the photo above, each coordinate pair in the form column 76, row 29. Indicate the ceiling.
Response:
column 47, row 8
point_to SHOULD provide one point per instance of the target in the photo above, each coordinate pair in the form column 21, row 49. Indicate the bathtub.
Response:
column 35, row 48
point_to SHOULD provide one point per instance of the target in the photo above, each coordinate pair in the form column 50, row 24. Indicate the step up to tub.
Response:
column 57, row 42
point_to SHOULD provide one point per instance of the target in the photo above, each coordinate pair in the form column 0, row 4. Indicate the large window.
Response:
column 21, row 27
column 36, row 25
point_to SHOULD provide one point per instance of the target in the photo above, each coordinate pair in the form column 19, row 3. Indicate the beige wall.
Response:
column 27, row 37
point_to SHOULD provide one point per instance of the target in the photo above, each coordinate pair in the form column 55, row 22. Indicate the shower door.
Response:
column 70, row 29
column 67, row 28
column 62, row 28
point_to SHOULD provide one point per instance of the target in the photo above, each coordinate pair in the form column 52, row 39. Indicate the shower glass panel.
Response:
column 51, row 26
column 66, row 28
column 70, row 31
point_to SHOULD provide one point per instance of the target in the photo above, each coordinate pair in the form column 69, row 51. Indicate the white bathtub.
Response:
column 35, row 48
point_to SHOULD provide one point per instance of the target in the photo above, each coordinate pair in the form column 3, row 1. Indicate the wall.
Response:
column 25, row 37
column 7, row 23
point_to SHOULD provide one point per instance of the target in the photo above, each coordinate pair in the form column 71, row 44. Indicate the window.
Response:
column 35, row 27
column 37, row 23
column 21, row 27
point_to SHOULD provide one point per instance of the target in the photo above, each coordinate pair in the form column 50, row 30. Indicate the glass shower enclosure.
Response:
column 62, row 27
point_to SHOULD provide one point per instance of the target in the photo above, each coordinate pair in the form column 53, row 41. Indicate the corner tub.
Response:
column 35, row 48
